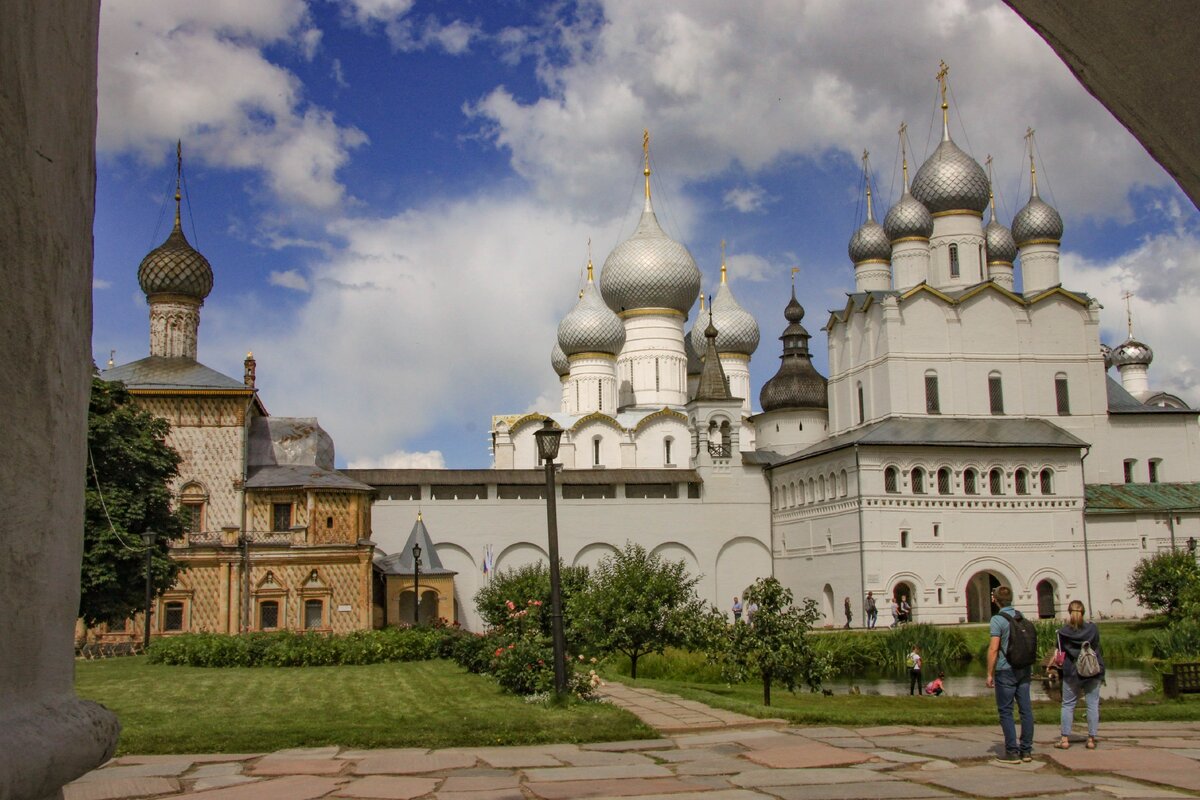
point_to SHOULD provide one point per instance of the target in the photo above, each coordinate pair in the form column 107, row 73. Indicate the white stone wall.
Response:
column 964, row 230
column 652, row 365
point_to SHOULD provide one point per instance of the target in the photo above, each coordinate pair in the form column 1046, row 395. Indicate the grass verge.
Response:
column 168, row 709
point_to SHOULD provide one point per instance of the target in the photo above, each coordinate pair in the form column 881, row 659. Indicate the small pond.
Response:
column 970, row 681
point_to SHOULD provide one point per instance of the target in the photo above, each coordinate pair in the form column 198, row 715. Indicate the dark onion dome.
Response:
column 870, row 242
column 558, row 360
column 950, row 180
column 175, row 267
column 649, row 269
column 1037, row 221
column 591, row 327
column 797, row 384
column 1106, row 353
column 1131, row 351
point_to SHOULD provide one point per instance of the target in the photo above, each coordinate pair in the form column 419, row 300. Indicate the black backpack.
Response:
column 1022, row 641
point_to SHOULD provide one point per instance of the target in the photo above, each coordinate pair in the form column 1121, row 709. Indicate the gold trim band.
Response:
column 651, row 312
column 959, row 211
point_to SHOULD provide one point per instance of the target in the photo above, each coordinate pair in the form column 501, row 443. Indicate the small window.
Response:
column 693, row 490
column 996, row 481
column 1129, row 462
column 943, row 477
column 667, row 450
column 939, row 596
column 933, row 403
column 862, row 408
column 996, row 393
column 268, row 615
column 904, row 539
column 1046, row 479
column 1143, row 542
column 917, row 479
column 954, row 261
column 1022, row 481
column 281, row 516
column 937, row 529
column 193, row 516
column 329, row 522
column 970, row 481
column 1061, row 395
column 596, row 452
column 1154, row 462
column 314, row 614
column 173, row 616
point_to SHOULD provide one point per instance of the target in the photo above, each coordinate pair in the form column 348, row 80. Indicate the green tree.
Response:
column 1163, row 581
column 774, row 648
column 531, row 582
column 129, row 471
column 638, row 603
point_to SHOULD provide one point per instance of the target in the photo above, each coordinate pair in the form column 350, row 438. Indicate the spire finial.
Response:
column 589, row 259
column 1128, row 312
column 112, row 355
column 418, row 515
column 904, row 152
column 646, row 159
column 722, row 261
column 867, row 177
column 178, row 176
column 1033, row 192
column 701, row 301
column 942, row 75
column 794, row 271
column 991, row 194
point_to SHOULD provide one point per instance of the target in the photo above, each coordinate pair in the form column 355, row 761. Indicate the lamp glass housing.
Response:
column 548, row 439
column 148, row 538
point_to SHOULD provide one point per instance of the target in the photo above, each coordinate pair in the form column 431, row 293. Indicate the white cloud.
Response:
column 336, row 72
column 402, row 459
column 173, row 69
column 746, row 199
column 367, row 12
column 752, row 267
column 100, row 283
column 289, row 279
column 408, row 35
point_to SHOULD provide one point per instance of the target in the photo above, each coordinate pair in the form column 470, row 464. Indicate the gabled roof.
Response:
column 299, row 476
column 1133, row 498
column 161, row 372
column 1122, row 402
column 401, row 563
column 947, row 432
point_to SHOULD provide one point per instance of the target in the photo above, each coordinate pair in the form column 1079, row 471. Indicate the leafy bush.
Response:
column 854, row 653
column 1166, row 581
column 939, row 645
column 288, row 649
column 672, row 664
column 1179, row 641
column 531, row 582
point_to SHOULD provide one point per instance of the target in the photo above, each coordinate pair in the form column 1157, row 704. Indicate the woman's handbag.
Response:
column 1059, row 658
column 1087, row 665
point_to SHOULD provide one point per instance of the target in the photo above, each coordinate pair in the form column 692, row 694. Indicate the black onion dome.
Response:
column 175, row 267
column 797, row 384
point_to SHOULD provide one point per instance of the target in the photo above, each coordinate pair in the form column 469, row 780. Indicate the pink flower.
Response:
column 511, row 605
column 499, row 650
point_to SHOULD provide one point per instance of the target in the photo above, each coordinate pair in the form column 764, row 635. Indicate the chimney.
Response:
column 249, row 365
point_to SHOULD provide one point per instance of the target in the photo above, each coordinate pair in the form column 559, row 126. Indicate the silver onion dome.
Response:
column 650, row 270
column 175, row 267
column 950, row 180
column 737, row 330
column 797, row 384
column 1037, row 221
column 591, row 327
column 870, row 243
column 558, row 360
column 1131, row 351
column 908, row 219
column 695, row 364
column 999, row 242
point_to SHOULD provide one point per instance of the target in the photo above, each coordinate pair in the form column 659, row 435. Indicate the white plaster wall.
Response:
column 653, row 356
column 965, row 230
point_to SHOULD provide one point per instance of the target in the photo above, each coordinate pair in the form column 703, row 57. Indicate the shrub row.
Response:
column 855, row 653
column 288, row 649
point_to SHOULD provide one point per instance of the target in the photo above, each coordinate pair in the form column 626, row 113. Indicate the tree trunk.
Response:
column 766, row 688
column 633, row 665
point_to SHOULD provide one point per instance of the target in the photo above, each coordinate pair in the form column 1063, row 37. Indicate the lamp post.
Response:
column 547, row 446
column 148, row 538
column 416, row 551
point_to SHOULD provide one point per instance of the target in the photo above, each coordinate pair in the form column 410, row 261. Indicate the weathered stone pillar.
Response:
column 47, row 194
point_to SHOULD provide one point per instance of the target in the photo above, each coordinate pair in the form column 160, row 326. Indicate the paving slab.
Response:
column 296, row 766
column 1192, row 754
column 119, row 788
column 719, row 794
column 293, row 787
column 1111, row 759
column 1127, row 789
column 882, row 731
column 806, row 754
column 898, row 757
column 718, row 765
column 493, row 794
column 997, row 781
column 600, row 758
column 859, row 791
column 386, row 787
column 522, row 756
column 159, row 769
column 757, row 778
column 853, row 742
column 220, row 782
column 307, row 752
column 480, row 783
column 1172, row 742
column 827, row 732
column 354, row 755
column 613, row 787
column 549, row 774
column 214, row 770
column 435, row 761
column 630, row 746
column 951, row 749
column 195, row 758
column 1188, row 778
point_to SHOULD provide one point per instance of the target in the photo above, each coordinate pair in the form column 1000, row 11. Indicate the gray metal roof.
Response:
column 178, row 373
column 1122, row 402
column 1132, row 498
column 295, row 441
column 947, row 432
column 401, row 562
column 524, row 477
column 293, row 476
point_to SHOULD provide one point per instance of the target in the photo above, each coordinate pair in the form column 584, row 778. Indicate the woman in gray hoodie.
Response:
column 1071, row 639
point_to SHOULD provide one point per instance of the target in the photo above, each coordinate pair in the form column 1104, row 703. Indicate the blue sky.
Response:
column 396, row 196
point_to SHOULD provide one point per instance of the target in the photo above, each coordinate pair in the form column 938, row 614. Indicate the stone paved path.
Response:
column 1135, row 760
column 669, row 713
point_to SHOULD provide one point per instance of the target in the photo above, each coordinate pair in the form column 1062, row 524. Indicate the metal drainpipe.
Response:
column 770, row 475
column 862, row 556
column 1171, row 525
column 1087, row 568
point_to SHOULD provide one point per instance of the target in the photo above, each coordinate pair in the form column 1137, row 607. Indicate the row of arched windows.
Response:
column 974, row 481
column 815, row 490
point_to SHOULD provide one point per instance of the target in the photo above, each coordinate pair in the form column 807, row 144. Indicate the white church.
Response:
column 969, row 434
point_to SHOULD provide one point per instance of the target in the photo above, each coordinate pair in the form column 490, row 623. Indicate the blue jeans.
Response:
column 1090, row 689
column 1014, row 685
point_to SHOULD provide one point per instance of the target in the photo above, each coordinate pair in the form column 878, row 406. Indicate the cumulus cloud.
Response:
column 367, row 12
column 454, row 38
column 402, row 459
column 746, row 199
column 100, row 283
column 173, row 69
column 288, row 279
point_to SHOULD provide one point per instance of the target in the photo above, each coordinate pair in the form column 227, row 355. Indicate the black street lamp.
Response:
column 547, row 447
column 148, row 538
column 416, row 551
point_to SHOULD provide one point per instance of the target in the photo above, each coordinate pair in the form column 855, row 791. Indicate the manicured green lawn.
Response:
column 864, row 710
column 166, row 709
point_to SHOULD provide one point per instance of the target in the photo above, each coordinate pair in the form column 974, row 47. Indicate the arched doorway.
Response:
column 429, row 607
column 904, row 592
column 404, row 614
column 827, row 603
column 1045, row 598
column 980, row 607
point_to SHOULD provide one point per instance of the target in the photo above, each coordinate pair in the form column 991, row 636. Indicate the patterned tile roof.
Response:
column 162, row 372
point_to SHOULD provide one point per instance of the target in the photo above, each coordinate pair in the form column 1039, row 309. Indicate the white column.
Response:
column 1039, row 267
column 957, row 236
column 652, row 366
column 910, row 262
column 592, row 385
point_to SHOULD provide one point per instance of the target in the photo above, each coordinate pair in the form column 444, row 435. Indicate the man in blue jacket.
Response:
column 1010, row 684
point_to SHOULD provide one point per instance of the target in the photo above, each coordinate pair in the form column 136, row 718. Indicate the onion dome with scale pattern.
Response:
column 591, row 327
column 950, row 180
column 558, row 360
column 870, row 242
column 737, row 330
column 175, row 267
column 1038, row 221
column 1131, row 351
column 797, row 384
column 908, row 219
column 650, row 269
column 1001, row 248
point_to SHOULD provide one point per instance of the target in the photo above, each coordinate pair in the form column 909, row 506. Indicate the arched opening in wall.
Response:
column 827, row 603
column 970, row 481
column 996, row 481
column 980, row 607
column 943, row 480
column 1046, row 479
column 404, row 614
column 429, row 607
column 667, row 442
column 905, row 598
column 821, row 488
column 844, row 484
column 1045, row 600
column 1153, row 465
column 1062, row 394
column 891, row 480
column 1116, row 609
column 1022, row 481
column 933, row 403
column 996, row 393
column 596, row 451
column 954, row 268
column 862, row 408
column 917, row 480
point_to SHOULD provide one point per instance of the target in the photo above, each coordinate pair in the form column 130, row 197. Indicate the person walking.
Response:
column 895, row 612
column 1011, row 683
column 849, row 614
column 872, row 610
column 737, row 610
column 905, row 609
column 1079, row 642
column 914, row 670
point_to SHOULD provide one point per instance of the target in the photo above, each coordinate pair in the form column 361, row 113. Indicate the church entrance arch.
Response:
column 904, row 592
column 1045, row 600
column 980, row 607
column 827, row 603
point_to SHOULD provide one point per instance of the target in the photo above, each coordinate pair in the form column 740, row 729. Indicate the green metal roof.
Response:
column 1133, row 498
